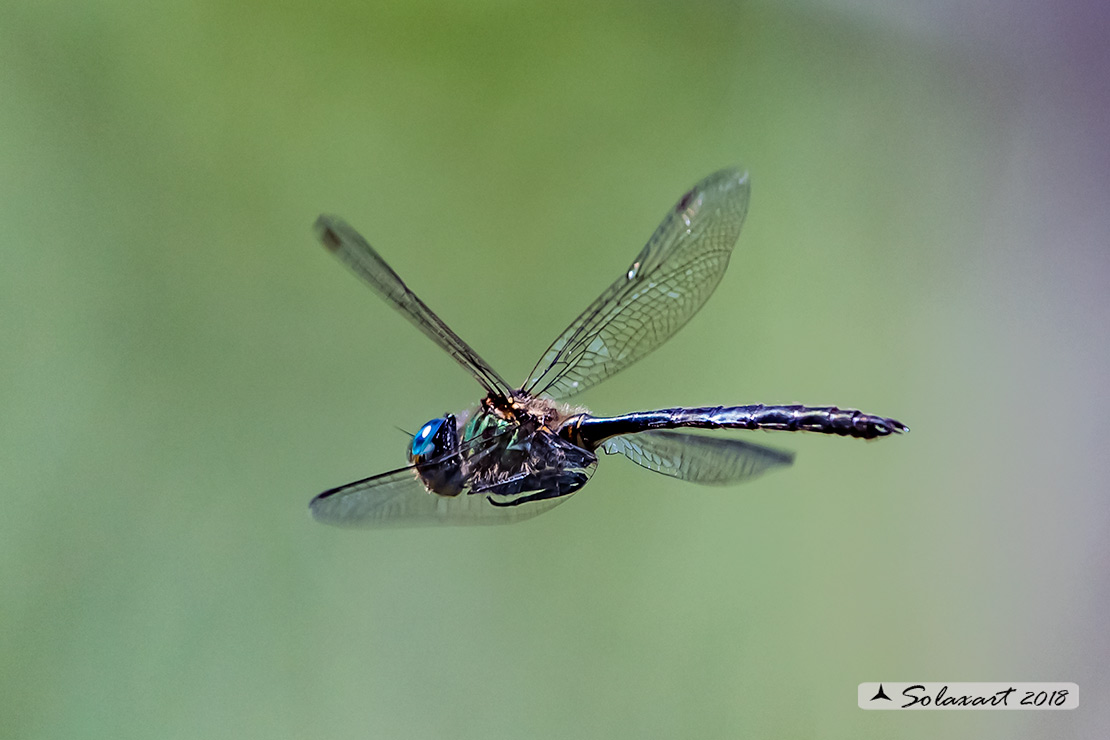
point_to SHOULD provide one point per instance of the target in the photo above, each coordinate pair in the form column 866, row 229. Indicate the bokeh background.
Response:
column 182, row 367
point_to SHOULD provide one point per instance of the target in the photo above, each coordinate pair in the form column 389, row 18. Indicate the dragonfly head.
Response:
column 438, row 437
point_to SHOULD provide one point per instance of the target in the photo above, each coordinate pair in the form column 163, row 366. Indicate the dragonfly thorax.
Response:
column 523, row 408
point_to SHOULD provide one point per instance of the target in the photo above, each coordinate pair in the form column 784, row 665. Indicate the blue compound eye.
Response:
column 424, row 443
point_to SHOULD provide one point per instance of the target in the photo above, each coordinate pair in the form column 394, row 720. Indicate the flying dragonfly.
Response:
column 522, row 451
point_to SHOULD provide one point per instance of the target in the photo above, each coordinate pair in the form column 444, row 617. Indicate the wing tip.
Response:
column 734, row 174
column 326, row 229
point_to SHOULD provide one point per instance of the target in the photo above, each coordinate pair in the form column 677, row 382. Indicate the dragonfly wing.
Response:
column 664, row 287
column 697, row 458
column 347, row 244
column 399, row 499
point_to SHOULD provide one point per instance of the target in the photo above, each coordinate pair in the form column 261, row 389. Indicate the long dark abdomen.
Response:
column 590, row 431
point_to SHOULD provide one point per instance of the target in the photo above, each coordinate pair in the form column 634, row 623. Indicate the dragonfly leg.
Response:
column 534, row 486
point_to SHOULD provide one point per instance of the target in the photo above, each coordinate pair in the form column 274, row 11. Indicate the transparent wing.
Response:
column 356, row 252
column 399, row 499
column 697, row 458
column 663, row 288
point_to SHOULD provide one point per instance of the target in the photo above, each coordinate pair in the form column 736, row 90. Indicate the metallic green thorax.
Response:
column 505, row 440
column 512, row 437
column 482, row 423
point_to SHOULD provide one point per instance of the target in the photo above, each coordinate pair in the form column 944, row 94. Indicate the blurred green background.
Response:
column 183, row 367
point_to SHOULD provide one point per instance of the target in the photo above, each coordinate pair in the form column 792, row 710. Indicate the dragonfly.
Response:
column 523, row 450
